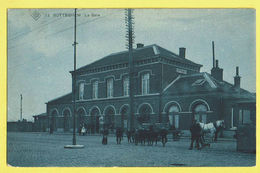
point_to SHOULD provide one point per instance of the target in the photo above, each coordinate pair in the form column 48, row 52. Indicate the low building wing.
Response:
column 63, row 99
column 194, row 83
column 203, row 83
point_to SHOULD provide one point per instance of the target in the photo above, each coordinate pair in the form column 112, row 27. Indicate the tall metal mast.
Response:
column 213, row 54
column 21, row 108
column 130, row 39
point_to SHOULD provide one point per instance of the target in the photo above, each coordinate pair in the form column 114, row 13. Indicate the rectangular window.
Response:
column 240, row 118
column 176, row 117
column 126, row 86
column 232, row 118
column 95, row 90
column 246, row 117
column 145, row 83
column 110, row 87
column 81, row 91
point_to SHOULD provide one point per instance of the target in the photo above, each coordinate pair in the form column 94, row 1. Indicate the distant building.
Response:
column 168, row 88
column 20, row 126
column 41, row 122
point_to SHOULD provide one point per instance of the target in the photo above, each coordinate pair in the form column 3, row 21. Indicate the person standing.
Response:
column 119, row 134
column 105, row 134
column 51, row 129
column 195, row 130
column 128, row 134
column 83, row 130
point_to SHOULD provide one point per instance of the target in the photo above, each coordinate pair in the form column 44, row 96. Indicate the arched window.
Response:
column 110, row 118
column 110, row 87
column 81, row 91
column 126, row 86
column 145, row 113
column 95, row 123
column 200, row 113
column 174, row 117
column 95, row 90
column 124, row 116
column 54, row 123
column 145, row 83
column 66, row 117
column 79, row 117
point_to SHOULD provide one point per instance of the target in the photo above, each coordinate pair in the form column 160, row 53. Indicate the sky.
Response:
column 40, row 51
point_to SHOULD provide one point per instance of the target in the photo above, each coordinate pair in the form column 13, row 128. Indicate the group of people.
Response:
column 119, row 135
column 151, row 135
column 137, row 136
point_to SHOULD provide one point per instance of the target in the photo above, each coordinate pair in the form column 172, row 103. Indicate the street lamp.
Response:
column 74, row 145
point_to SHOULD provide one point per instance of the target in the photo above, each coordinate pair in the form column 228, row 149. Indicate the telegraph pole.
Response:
column 21, row 108
column 74, row 82
column 130, row 39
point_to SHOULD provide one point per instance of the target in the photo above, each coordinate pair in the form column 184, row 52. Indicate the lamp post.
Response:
column 74, row 145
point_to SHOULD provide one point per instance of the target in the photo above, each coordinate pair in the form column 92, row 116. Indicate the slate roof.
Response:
column 63, row 99
column 138, row 54
column 202, row 83
column 41, row 115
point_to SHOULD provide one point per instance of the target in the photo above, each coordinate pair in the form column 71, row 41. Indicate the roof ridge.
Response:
column 192, row 75
column 118, row 53
column 168, row 86
column 144, row 47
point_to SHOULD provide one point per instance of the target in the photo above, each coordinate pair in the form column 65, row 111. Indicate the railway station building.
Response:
column 168, row 89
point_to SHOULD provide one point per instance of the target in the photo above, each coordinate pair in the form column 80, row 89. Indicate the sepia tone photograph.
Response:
column 131, row 87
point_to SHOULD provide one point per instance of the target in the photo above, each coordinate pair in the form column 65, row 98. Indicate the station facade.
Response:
column 168, row 89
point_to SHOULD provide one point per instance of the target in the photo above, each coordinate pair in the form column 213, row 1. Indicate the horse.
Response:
column 163, row 133
column 154, row 137
column 139, row 136
column 212, row 128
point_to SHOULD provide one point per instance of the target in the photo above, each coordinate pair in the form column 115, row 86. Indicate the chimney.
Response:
column 139, row 45
column 237, row 79
column 217, row 72
column 217, row 64
column 182, row 52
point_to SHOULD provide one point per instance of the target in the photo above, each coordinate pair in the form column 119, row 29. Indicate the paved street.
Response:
column 43, row 149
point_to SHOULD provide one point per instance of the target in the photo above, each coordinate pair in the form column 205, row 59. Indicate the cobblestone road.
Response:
column 42, row 149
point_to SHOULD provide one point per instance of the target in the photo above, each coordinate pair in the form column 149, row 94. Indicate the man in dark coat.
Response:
column 51, row 129
column 195, row 130
column 119, row 134
column 105, row 134
column 128, row 134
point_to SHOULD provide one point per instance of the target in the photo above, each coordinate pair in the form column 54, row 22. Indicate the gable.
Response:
column 203, row 83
